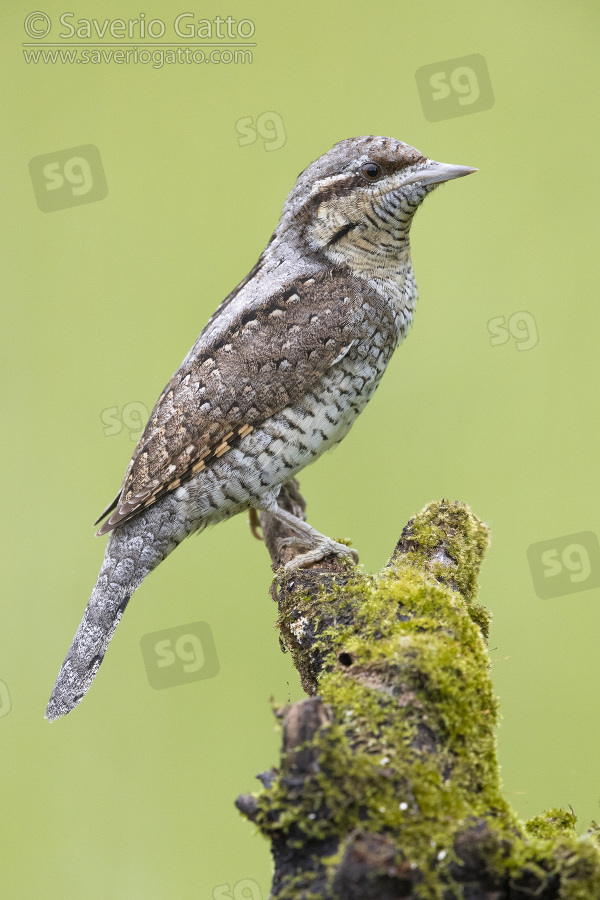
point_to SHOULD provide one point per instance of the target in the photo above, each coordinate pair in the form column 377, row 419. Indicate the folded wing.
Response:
column 267, row 359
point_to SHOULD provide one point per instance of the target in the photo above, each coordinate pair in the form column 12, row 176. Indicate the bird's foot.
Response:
column 303, row 535
column 318, row 551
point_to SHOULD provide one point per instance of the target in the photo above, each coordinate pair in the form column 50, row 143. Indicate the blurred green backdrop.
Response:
column 132, row 795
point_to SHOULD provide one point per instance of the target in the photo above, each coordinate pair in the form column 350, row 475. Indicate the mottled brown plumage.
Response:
column 266, row 360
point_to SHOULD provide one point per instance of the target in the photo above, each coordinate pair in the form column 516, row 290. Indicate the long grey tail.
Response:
column 133, row 550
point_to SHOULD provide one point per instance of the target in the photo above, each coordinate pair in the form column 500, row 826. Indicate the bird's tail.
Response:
column 133, row 550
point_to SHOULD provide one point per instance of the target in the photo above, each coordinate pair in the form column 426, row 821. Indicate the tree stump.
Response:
column 388, row 782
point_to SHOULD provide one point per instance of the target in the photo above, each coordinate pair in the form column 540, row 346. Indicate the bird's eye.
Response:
column 371, row 171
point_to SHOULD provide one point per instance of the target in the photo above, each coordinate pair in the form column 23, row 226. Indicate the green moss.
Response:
column 459, row 538
column 551, row 823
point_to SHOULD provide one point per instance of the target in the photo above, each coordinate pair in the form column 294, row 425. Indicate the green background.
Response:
column 132, row 795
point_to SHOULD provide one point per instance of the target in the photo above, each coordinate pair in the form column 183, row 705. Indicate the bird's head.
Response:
column 355, row 203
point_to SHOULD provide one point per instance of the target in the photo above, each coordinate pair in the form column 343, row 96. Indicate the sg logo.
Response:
column 521, row 326
column 269, row 126
column 179, row 655
column 455, row 87
column 132, row 416
column 245, row 889
column 565, row 565
column 68, row 178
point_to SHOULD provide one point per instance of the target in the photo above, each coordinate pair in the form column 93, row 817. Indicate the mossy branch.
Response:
column 388, row 784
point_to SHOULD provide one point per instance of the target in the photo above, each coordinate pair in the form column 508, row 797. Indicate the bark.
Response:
column 388, row 781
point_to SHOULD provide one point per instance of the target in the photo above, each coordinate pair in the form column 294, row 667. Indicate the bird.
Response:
column 277, row 376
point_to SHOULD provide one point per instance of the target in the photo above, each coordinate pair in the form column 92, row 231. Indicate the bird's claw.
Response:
column 324, row 548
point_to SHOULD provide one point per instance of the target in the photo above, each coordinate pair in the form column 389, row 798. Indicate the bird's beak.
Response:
column 438, row 172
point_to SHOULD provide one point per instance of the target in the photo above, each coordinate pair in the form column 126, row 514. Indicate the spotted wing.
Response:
column 267, row 359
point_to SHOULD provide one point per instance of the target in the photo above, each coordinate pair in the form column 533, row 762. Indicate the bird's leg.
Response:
column 319, row 546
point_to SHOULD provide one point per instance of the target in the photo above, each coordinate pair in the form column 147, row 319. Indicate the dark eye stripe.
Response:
column 343, row 186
